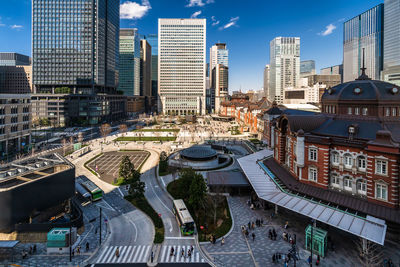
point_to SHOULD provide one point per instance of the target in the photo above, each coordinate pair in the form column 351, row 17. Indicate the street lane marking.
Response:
column 127, row 254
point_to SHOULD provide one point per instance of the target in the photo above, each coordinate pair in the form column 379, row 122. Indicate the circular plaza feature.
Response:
column 198, row 153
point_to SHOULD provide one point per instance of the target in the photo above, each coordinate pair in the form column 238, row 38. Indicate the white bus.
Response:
column 183, row 217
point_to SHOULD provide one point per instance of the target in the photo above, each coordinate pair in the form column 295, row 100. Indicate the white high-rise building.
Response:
column 218, row 55
column 266, row 80
column 284, row 66
column 182, row 66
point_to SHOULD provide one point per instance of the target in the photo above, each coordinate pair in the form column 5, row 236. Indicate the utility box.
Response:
column 58, row 240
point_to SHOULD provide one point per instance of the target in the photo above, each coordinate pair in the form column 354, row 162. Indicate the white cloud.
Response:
column 193, row 3
column 16, row 27
column 328, row 30
column 195, row 14
column 232, row 22
column 133, row 10
column 214, row 21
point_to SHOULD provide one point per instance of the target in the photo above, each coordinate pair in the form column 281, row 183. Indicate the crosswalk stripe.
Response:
column 126, row 255
column 137, row 253
column 202, row 260
column 197, row 257
column 107, row 254
column 178, row 254
column 146, row 254
column 132, row 254
column 102, row 253
column 121, row 254
column 111, row 255
column 141, row 254
column 163, row 253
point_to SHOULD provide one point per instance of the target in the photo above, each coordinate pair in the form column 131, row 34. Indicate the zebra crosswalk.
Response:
column 127, row 254
column 165, row 255
column 141, row 254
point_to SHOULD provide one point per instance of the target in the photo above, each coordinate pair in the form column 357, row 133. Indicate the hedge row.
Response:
column 146, row 138
column 157, row 130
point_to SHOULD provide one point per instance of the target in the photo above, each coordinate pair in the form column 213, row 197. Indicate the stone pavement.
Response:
column 238, row 251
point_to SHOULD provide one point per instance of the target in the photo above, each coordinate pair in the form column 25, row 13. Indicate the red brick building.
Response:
column 349, row 154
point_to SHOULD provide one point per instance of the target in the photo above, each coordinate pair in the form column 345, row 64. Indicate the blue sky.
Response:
column 247, row 26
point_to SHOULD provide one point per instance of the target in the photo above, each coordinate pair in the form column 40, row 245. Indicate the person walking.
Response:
column 318, row 260
column 172, row 252
column 117, row 252
column 222, row 241
column 87, row 246
column 274, row 233
column 254, row 236
column 182, row 253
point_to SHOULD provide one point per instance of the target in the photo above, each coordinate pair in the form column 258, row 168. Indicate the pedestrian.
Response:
column 191, row 248
column 117, row 252
column 87, row 246
column 249, row 224
column 247, row 233
column 172, row 252
column 78, row 250
column 182, row 253
column 270, row 234
column 274, row 233
column 253, row 226
column 189, row 254
column 274, row 258
column 34, row 248
column 253, row 235
column 286, row 225
column 318, row 260
column 222, row 241
column 309, row 260
column 262, row 222
column 152, row 256
column 73, row 252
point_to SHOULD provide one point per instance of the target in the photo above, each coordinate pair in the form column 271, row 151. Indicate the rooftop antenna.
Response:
column 363, row 75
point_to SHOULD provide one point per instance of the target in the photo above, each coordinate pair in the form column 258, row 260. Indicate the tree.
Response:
column 123, row 129
column 163, row 156
column 218, row 197
column 126, row 168
column 197, row 191
column 370, row 254
column 105, row 130
column 136, row 189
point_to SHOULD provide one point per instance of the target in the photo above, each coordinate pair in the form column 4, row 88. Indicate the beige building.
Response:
column 145, row 68
column 16, row 79
column 328, row 80
column 220, row 81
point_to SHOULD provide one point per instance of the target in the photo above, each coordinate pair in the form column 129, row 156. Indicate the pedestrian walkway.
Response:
column 177, row 257
column 127, row 254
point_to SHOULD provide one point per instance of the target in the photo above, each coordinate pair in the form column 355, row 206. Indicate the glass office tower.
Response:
column 307, row 67
column 152, row 39
column 363, row 31
column 129, row 65
column 75, row 44
column 391, row 44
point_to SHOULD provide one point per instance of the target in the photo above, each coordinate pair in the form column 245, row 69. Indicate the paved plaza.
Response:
column 239, row 251
column 107, row 165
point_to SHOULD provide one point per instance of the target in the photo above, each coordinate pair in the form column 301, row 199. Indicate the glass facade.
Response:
column 129, row 65
column 391, row 50
column 307, row 67
column 152, row 39
column 75, row 44
column 364, row 31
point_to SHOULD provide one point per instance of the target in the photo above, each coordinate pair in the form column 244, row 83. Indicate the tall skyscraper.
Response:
column 182, row 66
column 218, row 55
column 152, row 39
column 219, row 72
column 391, row 42
column 75, row 47
column 266, row 80
column 307, row 67
column 284, row 66
column 145, row 72
column 363, row 31
column 129, row 63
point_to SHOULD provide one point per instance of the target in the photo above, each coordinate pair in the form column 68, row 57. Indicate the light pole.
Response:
column 100, row 229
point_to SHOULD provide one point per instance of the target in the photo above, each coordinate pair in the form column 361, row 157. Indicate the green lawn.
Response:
column 145, row 138
column 157, row 130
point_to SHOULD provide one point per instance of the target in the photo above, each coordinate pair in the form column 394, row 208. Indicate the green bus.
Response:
column 95, row 192
column 185, row 220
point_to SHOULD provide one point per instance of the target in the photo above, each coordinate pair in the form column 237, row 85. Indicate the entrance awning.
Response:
column 262, row 181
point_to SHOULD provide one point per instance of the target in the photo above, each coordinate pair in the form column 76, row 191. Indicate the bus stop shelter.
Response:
column 7, row 249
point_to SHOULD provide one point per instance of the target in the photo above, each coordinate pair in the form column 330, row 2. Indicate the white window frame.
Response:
column 394, row 112
column 335, row 155
column 381, row 167
column 335, row 182
column 361, row 187
column 365, row 111
column 357, row 111
column 349, row 110
column 361, row 159
column 387, row 112
column 311, row 151
column 345, row 157
column 379, row 189
column 312, row 174
column 347, row 183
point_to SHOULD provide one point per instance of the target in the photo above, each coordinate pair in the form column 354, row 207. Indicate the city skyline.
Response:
column 319, row 31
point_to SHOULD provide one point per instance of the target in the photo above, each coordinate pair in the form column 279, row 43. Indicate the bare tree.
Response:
column 370, row 254
column 123, row 129
column 105, row 130
column 217, row 198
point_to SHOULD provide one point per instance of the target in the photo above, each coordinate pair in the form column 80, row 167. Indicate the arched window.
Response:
column 348, row 183
column 335, row 158
column 361, row 163
column 335, row 180
column 348, row 161
column 362, row 187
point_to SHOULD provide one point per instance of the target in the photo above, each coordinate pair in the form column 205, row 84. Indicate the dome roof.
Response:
column 363, row 90
column 198, row 153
